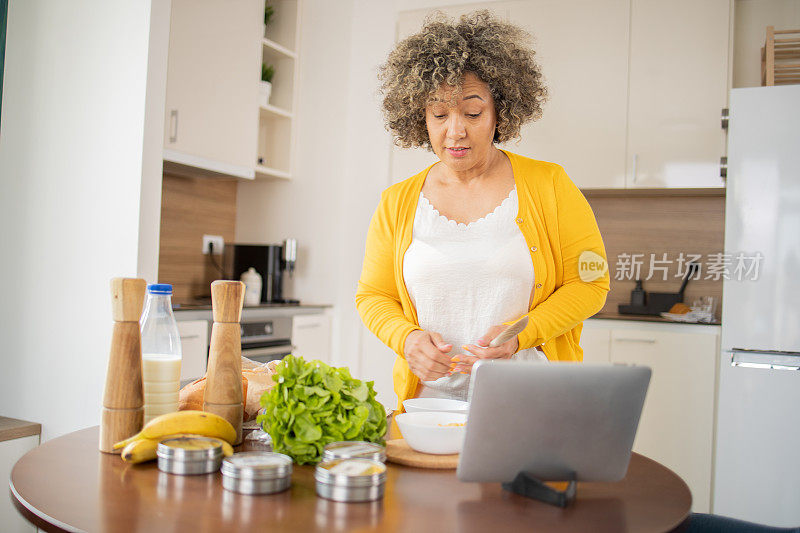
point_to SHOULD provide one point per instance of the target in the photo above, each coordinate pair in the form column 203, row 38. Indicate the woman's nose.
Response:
column 455, row 127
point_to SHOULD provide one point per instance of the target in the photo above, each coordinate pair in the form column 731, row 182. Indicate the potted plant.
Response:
column 268, row 12
column 265, row 89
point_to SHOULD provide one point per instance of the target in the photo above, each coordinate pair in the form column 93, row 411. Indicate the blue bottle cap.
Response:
column 159, row 288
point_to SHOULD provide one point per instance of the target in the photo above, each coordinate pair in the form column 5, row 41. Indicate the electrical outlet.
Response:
column 217, row 240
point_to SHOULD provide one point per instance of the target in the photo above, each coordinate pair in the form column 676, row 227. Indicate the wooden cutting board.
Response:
column 397, row 451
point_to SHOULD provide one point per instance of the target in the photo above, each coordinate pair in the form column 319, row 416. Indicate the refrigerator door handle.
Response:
column 769, row 359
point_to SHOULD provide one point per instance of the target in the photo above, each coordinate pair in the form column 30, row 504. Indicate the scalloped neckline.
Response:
column 450, row 222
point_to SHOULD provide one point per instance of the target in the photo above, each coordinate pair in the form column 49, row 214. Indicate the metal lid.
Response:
column 257, row 465
column 190, row 448
column 351, row 472
column 354, row 449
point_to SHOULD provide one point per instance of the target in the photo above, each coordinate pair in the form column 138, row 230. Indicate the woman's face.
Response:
column 462, row 130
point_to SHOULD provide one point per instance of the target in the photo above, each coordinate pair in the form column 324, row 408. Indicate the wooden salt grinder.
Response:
column 224, row 394
column 123, row 401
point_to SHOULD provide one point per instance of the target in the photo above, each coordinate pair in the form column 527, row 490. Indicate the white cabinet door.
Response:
column 311, row 337
column 678, row 88
column 582, row 49
column 596, row 343
column 677, row 424
column 10, row 452
column 212, row 85
column 194, row 347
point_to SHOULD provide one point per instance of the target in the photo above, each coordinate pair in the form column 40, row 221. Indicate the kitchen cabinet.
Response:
column 677, row 423
column 311, row 337
column 636, row 90
column 678, row 88
column 213, row 71
column 194, row 347
column 596, row 344
column 15, row 441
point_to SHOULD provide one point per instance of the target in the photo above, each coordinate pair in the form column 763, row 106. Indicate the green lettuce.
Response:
column 313, row 404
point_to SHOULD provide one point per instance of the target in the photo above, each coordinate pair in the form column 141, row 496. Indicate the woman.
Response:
column 483, row 236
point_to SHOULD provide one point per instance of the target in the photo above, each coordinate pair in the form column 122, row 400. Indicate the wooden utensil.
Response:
column 224, row 395
column 510, row 332
column 398, row 451
column 123, row 400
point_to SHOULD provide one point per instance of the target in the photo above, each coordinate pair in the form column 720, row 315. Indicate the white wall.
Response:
column 751, row 18
column 71, row 152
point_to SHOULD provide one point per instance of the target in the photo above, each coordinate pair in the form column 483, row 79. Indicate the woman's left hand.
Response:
column 481, row 350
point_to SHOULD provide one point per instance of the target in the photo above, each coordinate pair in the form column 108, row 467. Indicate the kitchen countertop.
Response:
column 194, row 306
column 650, row 318
column 12, row 428
column 251, row 312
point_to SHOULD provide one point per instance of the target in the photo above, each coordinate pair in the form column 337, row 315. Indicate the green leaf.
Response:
column 313, row 404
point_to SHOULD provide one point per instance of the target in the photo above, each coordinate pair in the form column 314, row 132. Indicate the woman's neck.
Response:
column 474, row 175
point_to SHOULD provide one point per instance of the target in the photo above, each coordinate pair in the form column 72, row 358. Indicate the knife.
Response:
column 510, row 332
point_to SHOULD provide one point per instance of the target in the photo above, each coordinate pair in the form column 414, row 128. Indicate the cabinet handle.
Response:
column 190, row 337
column 173, row 125
column 626, row 339
column 635, row 164
column 723, row 168
column 725, row 117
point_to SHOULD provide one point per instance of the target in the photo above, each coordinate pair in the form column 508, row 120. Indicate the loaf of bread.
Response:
column 256, row 379
column 679, row 309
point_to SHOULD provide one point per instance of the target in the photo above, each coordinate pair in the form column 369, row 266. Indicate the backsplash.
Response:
column 191, row 208
column 639, row 229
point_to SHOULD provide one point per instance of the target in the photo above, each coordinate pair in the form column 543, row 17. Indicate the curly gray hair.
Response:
column 497, row 52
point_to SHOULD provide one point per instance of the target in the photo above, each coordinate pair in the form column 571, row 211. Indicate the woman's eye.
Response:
column 439, row 116
column 473, row 115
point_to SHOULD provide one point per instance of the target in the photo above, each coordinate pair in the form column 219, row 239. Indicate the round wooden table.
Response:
column 67, row 485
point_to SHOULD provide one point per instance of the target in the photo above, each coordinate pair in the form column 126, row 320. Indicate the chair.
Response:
column 709, row 523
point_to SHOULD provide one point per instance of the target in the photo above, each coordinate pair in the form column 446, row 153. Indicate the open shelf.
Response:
column 273, row 49
column 267, row 172
column 275, row 111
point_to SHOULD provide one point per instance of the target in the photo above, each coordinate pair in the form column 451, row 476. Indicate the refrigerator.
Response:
column 757, row 449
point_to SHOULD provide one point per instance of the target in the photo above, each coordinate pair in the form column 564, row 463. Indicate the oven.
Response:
column 265, row 340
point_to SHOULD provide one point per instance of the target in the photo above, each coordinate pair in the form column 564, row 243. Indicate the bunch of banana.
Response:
column 142, row 446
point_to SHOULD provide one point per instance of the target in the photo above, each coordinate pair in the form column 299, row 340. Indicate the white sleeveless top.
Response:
column 465, row 278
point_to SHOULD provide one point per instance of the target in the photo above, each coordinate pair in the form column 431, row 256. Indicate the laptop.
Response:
column 556, row 421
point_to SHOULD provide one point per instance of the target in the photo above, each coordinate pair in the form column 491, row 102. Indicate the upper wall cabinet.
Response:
column 212, row 116
column 635, row 90
column 678, row 88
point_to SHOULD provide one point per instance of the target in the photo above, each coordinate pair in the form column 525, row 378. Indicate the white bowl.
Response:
column 442, row 405
column 429, row 433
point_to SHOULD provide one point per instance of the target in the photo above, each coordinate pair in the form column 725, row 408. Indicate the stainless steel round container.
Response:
column 189, row 455
column 351, row 480
column 257, row 472
column 354, row 450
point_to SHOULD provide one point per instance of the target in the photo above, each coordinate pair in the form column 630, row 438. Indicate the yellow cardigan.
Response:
column 558, row 225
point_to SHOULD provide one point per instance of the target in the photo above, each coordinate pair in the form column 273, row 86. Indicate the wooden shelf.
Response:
column 276, row 111
column 266, row 172
column 277, row 49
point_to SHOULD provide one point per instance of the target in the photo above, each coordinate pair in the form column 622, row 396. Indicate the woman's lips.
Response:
column 457, row 152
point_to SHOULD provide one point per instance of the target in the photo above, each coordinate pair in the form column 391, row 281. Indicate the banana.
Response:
column 142, row 450
column 189, row 422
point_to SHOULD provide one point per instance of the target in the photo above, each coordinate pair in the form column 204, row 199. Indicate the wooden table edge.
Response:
column 36, row 517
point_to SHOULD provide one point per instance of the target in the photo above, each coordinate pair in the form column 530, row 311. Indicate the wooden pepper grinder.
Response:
column 224, row 394
column 123, row 401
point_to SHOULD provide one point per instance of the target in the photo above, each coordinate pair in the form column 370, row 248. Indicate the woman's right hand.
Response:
column 426, row 354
